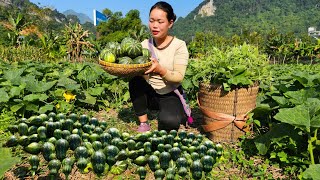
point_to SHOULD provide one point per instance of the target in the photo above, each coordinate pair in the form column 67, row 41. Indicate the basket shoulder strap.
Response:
column 150, row 45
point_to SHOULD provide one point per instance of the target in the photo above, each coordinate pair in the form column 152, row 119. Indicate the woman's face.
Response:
column 159, row 24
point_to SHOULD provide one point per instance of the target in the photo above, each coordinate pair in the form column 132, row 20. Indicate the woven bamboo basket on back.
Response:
column 224, row 112
column 125, row 70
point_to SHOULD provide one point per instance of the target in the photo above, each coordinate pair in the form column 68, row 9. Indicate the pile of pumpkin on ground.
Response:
column 68, row 141
column 129, row 51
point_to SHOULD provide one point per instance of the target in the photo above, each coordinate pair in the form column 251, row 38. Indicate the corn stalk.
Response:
column 76, row 41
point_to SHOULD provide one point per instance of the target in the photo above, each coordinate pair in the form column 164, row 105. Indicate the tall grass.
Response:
column 21, row 53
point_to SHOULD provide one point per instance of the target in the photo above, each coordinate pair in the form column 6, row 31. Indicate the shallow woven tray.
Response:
column 125, row 70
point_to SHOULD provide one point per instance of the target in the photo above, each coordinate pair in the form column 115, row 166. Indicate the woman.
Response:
column 155, row 90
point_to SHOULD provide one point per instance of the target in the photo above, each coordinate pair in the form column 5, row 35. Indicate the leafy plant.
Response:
column 312, row 172
column 305, row 117
column 237, row 66
column 293, row 104
column 7, row 160
column 29, row 87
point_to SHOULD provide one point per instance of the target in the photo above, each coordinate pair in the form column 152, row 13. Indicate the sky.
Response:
column 180, row 7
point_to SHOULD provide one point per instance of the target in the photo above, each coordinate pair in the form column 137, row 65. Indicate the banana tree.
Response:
column 16, row 26
column 51, row 46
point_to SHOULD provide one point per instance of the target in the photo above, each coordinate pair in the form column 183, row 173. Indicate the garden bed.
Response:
column 233, row 164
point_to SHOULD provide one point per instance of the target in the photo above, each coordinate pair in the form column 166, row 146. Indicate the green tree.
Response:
column 91, row 28
column 73, row 18
column 118, row 27
column 140, row 34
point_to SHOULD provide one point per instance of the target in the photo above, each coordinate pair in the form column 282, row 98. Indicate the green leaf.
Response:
column 33, row 97
column 97, row 68
column 195, row 81
column 58, row 93
column 36, row 86
column 276, row 133
column 6, row 83
column 65, row 107
column 257, row 122
column 126, row 96
column 88, row 99
column 16, row 107
column 68, row 83
column 114, row 87
column 283, row 156
column 18, row 100
column 46, row 108
column 312, row 173
column 13, row 75
column 273, row 155
column 298, row 116
column 305, row 78
column 87, row 74
column 7, row 160
column 315, row 121
column 313, row 104
column 15, row 91
column 262, row 109
column 239, row 70
column 72, row 87
column 226, row 87
column 34, row 71
column 281, row 100
column 4, row 97
column 32, row 107
column 186, row 84
column 301, row 96
column 54, row 74
column 304, row 116
column 22, row 85
column 240, row 81
column 96, row 91
column 67, row 72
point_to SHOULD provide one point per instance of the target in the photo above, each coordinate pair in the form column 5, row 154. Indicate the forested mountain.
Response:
column 228, row 17
column 44, row 18
column 83, row 18
column 224, row 17
column 15, row 14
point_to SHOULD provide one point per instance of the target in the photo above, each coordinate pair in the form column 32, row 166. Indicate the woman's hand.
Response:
column 156, row 68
